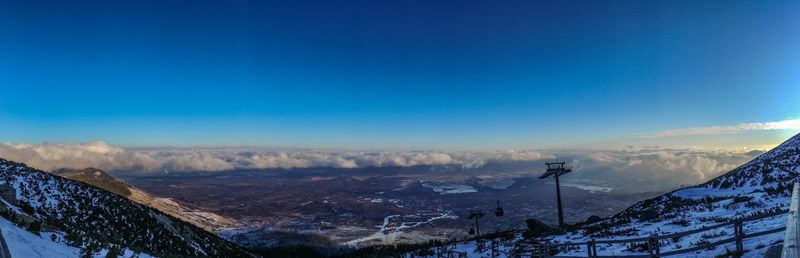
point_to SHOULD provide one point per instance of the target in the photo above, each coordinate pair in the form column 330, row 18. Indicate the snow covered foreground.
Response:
column 22, row 243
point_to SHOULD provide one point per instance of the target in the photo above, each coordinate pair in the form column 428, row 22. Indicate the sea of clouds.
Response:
column 98, row 154
column 659, row 167
column 674, row 165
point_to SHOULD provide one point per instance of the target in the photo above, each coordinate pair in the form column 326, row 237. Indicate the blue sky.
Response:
column 395, row 74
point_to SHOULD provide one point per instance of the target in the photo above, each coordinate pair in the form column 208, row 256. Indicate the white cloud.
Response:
column 646, row 169
column 791, row 124
column 98, row 154
column 668, row 166
column 49, row 156
column 664, row 168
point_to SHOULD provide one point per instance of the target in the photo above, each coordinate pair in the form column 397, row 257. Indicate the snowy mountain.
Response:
column 206, row 220
column 63, row 216
column 761, row 186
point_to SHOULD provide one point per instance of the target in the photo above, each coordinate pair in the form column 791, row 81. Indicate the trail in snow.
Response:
column 394, row 232
column 4, row 253
column 386, row 222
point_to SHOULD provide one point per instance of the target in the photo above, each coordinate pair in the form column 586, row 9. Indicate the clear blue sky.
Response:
column 417, row 74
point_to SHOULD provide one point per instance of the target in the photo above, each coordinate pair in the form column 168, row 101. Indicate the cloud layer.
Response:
column 657, row 168
column 50, row 156
column 791, row 124
column 636, row 170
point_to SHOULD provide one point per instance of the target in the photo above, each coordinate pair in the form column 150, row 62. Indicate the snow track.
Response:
column 4, row 253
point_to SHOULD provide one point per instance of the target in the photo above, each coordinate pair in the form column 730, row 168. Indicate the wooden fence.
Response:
column 652, row 242
column 654, row 248
column 791, row 240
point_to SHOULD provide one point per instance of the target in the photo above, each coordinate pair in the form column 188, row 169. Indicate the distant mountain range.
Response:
column 45, row 215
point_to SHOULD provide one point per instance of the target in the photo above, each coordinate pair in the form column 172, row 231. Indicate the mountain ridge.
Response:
column 91, row 218
column 207, row 220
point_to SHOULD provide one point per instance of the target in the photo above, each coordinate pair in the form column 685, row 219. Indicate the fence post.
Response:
column 739, row 231
column 653, row 247
column 590, row 248
column 657, row 244
column 792, row 234
column 547, row 250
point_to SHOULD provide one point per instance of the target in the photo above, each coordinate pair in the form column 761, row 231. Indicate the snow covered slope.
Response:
column 93, row 219
column 206, row 220
column 22, row 243
column 760, row 186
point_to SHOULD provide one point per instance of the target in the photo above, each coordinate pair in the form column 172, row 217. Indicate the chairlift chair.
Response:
column 498, row 211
